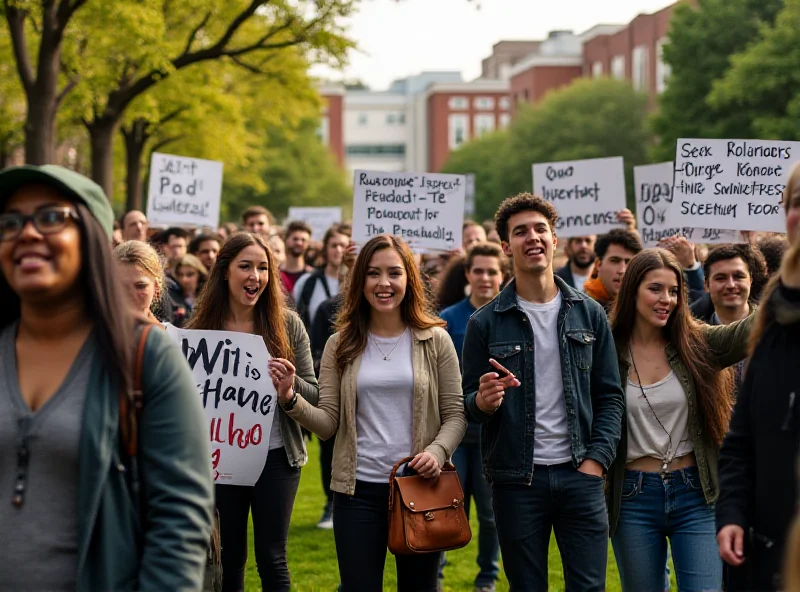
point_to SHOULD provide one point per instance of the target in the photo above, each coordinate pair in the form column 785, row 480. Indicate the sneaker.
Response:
column 326, row 522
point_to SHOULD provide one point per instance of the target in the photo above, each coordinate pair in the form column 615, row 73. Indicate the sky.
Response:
column 398, row 39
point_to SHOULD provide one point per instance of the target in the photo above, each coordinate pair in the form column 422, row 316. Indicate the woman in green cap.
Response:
column 78, row 516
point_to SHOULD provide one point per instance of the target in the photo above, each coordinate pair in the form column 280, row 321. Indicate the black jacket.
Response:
column 565, row 273
column 758, row 488
column 323, row 327
column 702, row 308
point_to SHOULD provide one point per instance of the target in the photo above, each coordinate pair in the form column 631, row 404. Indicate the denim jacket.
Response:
column 594, row 399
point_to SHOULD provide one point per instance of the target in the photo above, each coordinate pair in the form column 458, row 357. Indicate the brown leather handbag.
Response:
column 426, row 515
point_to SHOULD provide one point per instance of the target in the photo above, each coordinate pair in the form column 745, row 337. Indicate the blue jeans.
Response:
column 469, row 466
column 655, row 509
column 560, row 499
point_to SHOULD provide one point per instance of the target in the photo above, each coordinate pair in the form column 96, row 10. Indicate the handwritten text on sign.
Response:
column 731, row 184
column 320, row 219
column 426, row 210
column 184, row 191
column 238, row 397
column 587, row 194
column 654, row 196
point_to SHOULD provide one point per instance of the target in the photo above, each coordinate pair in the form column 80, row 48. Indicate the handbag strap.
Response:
column 129, row 421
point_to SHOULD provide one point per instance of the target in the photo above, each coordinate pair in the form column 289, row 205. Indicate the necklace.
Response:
column 665, row 460
column 387, row 357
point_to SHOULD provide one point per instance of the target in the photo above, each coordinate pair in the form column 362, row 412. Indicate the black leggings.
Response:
column 361, row 530
column 271, row 500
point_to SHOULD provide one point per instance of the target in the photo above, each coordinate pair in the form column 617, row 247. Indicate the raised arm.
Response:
column 323, row 420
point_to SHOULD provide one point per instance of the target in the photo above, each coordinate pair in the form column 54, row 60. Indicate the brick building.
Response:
column 331, row 129
column 506, row 55
column 457, row 113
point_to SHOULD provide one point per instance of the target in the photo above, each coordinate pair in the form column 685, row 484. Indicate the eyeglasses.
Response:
column 48, row 220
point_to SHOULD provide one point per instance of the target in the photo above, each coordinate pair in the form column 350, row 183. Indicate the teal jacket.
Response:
column 157, row 542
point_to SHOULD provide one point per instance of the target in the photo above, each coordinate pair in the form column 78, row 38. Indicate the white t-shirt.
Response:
column 551, row 441
column 318, row 296
column 579, row 280
column 385, row 410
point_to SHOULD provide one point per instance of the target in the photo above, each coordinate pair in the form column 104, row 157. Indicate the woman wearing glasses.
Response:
column 75, row 517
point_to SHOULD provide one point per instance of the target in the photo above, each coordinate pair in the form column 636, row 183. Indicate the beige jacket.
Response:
column 439, row 420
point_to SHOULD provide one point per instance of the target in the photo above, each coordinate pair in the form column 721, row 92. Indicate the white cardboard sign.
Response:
column 731, row 184
column 184, row 191
column 425, row 209
column 238, row 397
column 587, row 194
column 653, row 188
column 320, row 219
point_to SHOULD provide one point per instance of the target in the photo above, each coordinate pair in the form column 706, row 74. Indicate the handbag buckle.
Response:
column 456, row 503
column 428, row 516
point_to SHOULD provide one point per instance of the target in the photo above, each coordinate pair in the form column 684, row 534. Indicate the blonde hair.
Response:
column 194, row 263
column 144, row 257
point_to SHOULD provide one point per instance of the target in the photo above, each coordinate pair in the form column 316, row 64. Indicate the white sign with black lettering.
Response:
column 731, row 184
column 653, row 187
column 425, row 209
column 238, row 397
column 320, row 219
column 587, row 194
column 184, row 191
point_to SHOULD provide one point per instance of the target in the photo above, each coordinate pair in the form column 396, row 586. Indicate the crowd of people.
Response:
column 586, row 387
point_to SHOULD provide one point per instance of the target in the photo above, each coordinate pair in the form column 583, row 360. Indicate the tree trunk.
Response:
column 135, row 139
column 101, row 138
column 40, row 128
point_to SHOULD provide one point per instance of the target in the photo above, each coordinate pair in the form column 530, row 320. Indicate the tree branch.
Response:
column 66, row 9
column 68, row 88
column 16, row 25
column 195, row 31
column 160, row 144
column 172, row 115
column 249, row 67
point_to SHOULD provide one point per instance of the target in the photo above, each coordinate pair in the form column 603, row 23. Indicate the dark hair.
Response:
column 484, row 250
column 194, row 246
column 756, row 266
column 270, row 312
column 104, row 296
column 524, row 202
column 453, row 282
column 175, row 231
column 298, row 226
column 352, row 322
column 773, row 248
column 618, row 236
column 257, row 211
column 714, row 386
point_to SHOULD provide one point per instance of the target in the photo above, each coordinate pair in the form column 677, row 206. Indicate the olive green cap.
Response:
column 70, row 184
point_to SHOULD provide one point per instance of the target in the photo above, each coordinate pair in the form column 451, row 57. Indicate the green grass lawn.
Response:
column 312, row 554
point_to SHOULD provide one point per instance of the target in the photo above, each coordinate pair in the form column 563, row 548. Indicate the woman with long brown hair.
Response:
column 243, row 294
column 390, row 387
column 679, row 396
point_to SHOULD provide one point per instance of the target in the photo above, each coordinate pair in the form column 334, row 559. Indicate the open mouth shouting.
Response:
column 251, row 292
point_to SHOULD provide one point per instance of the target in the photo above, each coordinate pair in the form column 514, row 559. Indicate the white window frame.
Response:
column 597, row 69
column 663, row 70
column 458, row 103
column 505, row 120
column 639, row 69
column 323, row 131
column 483, row 103
column 452, row 129
column 504, row 103
column 618, row 67
column 363, row 118
column 483, row 123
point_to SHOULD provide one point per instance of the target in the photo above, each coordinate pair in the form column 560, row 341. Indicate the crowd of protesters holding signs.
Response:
column 555, row 381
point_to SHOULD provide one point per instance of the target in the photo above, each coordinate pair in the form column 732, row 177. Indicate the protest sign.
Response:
column 425, row 209
column 238, row 396
column 184, row 191
column 587, row 194
column 469, row 196
column 653, row 188
column 320, row 219
column 731, row 184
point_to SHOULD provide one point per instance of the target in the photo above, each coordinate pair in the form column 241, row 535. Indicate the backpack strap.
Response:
column 130, row 407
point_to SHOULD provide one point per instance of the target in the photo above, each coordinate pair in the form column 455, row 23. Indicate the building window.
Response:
column 597, row 70
column 662, row 70
column 639, row 68
column 483, row 124
column 323, row 132
column 363, row 119
column 458, row 103
column 391, row 118
column 505, row 119
column 458, row 127
column 504, row 103
column 484, row 103
column 618, row 67
column 376, row 150
column 401, row 118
